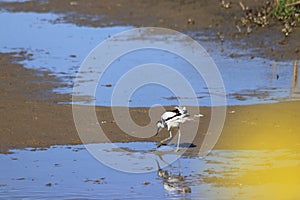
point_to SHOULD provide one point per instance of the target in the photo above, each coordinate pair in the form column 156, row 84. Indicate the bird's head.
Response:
column 159, row 125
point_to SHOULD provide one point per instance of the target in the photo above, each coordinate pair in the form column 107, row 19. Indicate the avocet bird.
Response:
column 172, row 119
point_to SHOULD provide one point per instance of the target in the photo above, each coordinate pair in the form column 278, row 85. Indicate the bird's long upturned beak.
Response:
column 158, row 129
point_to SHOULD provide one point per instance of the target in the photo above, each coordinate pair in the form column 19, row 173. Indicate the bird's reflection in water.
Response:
column 173, row 182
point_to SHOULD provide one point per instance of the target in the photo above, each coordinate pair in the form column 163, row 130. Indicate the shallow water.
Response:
column 70, row 172
column 61, row 48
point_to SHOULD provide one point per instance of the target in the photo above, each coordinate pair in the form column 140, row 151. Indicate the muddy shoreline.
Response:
column 208, row 17
column 31, row 117
column 28, row 120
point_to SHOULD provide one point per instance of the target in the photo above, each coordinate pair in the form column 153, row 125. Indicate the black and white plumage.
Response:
column 172, row 119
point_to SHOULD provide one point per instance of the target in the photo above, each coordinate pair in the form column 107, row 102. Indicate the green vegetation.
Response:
column 287, row 10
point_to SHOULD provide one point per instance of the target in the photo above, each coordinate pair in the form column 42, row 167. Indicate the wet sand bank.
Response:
column 31, row 117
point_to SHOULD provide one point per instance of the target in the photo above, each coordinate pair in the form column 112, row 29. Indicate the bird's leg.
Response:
column 162, row 142
column 178, row 141
column 179, row 166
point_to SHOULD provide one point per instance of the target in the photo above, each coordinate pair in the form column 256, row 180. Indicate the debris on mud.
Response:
column 284, row 11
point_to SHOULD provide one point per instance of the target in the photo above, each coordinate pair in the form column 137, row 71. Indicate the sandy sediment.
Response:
column 29, row 119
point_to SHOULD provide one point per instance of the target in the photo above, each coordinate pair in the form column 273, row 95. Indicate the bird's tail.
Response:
column 194, row 117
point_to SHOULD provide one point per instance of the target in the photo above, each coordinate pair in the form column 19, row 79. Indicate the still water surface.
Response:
column 70, row 172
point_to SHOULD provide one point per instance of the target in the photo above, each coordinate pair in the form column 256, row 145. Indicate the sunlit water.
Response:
column 70, row 172
column 61, row 48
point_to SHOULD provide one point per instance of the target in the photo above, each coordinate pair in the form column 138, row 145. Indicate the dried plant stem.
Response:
column 293, row 4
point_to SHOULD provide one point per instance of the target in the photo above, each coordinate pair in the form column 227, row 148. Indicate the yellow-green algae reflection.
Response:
column 252, row 174
column 257, row 155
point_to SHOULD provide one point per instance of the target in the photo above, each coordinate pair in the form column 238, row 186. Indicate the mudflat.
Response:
column 31, row 117
column 211, row 17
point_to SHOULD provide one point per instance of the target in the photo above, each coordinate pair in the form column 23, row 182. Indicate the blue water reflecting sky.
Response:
column 62, row 47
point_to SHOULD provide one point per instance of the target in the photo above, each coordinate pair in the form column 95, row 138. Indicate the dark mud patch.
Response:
column 245, row 94
column 24, row 83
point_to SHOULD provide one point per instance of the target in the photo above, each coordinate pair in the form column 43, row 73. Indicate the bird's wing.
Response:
column 169, row 115
column 172, row 116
